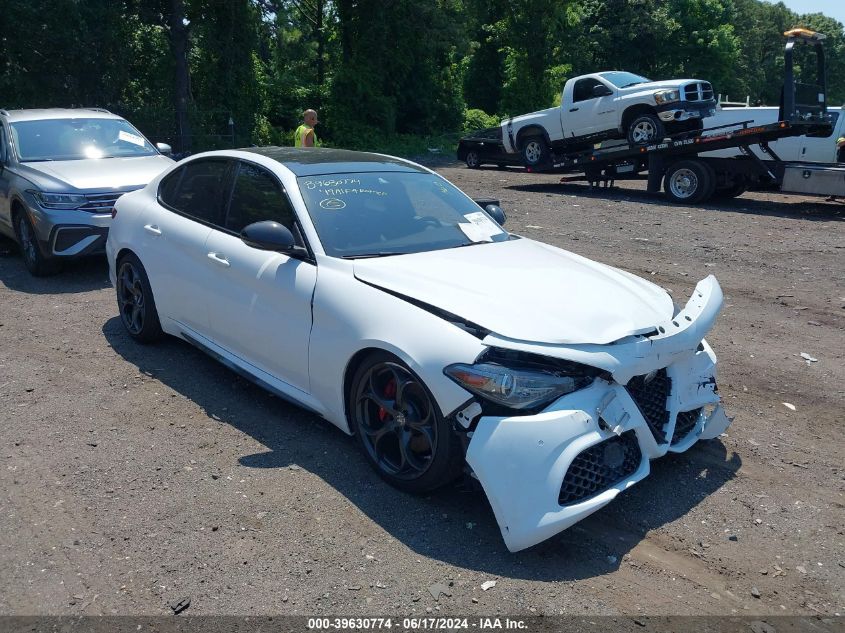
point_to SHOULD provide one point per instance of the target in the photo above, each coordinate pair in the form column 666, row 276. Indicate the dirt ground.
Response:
column 132, row 477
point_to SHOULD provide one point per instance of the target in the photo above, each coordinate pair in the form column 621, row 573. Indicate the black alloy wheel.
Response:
column 400, row 428
column 135, row 301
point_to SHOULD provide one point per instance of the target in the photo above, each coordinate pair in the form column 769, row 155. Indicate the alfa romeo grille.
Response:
column 600, row 467
column 650, row 392
column 685, row 424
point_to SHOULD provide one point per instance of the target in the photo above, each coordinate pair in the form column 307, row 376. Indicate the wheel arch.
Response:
column 632, row 112
column 16, row 207
column 123, row 252
column 349, row 373
column 530, row 131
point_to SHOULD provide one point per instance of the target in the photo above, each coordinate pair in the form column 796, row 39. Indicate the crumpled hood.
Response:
column 525, row 290
column 99, row 174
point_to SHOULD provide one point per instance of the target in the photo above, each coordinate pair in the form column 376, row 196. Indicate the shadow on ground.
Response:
column 793, row 208
column 80, row 275
column 454, row 525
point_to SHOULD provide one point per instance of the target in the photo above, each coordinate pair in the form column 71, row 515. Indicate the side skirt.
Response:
column 254, row 374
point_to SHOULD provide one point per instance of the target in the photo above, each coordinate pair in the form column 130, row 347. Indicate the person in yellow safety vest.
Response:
column 305, row 135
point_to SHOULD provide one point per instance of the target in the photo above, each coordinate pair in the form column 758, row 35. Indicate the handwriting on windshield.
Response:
column 330, row 182
column 333, row 187
column 342, row 192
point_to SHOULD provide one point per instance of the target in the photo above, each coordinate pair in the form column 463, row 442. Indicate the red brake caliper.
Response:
column 389, row 392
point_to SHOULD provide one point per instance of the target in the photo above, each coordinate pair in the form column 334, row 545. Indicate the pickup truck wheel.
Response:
column 534, row 151
column 689, row 182
column 646, row 128
column 472, row 160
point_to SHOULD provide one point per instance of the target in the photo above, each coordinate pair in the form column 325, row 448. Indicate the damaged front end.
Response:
column 545, row 468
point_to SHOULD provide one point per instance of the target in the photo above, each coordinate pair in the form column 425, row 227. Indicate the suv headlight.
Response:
column 515, row 388
column 667, row 96
column 59, row 200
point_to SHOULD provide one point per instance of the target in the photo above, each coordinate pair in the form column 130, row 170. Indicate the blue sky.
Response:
column 833, row 8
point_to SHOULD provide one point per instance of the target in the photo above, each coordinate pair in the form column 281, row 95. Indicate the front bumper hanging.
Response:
column 542, row 473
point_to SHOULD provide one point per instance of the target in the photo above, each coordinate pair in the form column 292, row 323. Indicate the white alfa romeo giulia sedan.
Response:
column 373, row 292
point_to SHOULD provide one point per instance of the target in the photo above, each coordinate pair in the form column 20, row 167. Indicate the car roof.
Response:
column 314, row 161
column 40, row 114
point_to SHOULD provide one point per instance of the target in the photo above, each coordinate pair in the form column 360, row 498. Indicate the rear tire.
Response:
column 645, row 129
column 689, row 182
column 731, row 191
column 534, row 151
column 472, row 160
column 36, row 263
column 135, row 301
column 400, row 427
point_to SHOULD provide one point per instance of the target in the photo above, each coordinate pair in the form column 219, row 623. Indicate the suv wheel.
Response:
column 34, row 260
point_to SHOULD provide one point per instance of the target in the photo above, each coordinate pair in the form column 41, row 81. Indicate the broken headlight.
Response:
column 525, row 383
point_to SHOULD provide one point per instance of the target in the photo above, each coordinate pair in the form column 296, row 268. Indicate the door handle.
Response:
column 573, row 109
column 152, row 228
column 219, row 258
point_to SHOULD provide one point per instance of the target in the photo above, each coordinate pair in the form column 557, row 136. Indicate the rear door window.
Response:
column 198, row 190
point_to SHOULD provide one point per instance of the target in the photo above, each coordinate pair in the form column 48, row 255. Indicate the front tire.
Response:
column 400, row 427
column 36, row 263
column 645, row 129
column 534, row 151
column 472, row 160
column 135, row 301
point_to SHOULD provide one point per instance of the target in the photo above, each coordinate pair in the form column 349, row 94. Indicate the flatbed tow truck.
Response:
column 689, row 178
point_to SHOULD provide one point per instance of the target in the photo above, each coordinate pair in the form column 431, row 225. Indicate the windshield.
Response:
column 77, row 139
column 622, row 79
column 375, row 214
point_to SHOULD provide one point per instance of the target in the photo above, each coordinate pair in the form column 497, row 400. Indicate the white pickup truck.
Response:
column 818, row 149
column 609, row 105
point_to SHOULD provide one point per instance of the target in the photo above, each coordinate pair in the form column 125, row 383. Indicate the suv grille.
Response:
column 600, row 467
column 651, row 397
column 685, row 424
column 699, row 91
column 101, row 202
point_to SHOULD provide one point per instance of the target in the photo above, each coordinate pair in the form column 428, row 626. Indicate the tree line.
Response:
column 221, row 73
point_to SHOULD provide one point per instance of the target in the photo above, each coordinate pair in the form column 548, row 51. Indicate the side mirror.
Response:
column 483, row 202
column 268, row 236
column 602, row 91
column 496, row 212
column 164, row 148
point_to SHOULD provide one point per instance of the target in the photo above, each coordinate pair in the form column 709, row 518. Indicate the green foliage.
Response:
column 475, row 119
column 392, row 75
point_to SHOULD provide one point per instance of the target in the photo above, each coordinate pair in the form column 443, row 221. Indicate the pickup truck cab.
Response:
column 609, row 105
